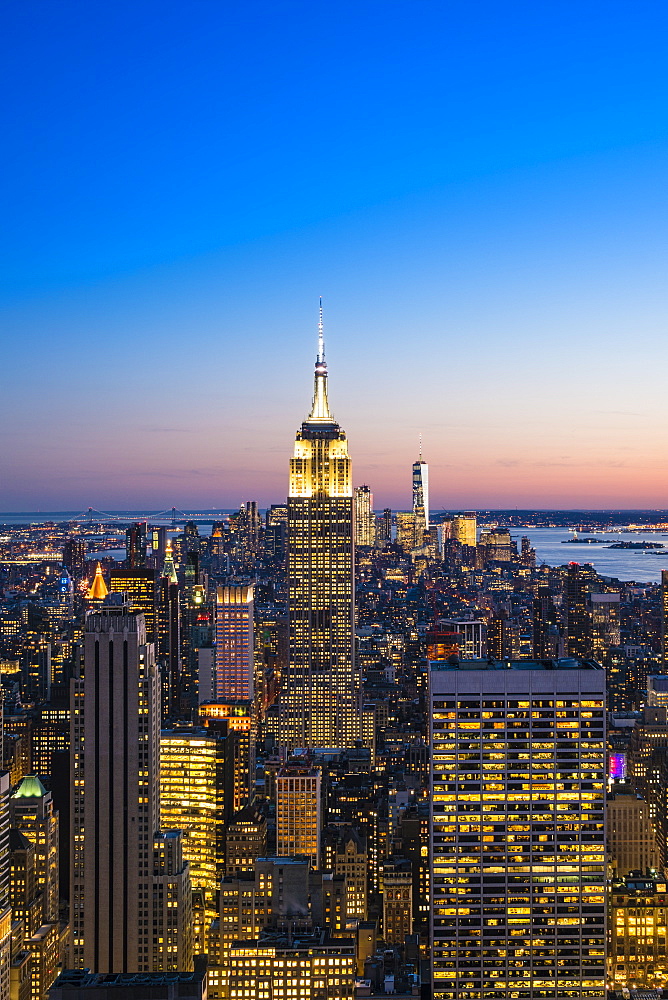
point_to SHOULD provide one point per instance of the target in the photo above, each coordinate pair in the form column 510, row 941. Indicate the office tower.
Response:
column 115, row 807
column 115, row 800
column 245, row 842
column 496, row 545
column 245, row 537
column 158, row 538
column 140, row 588
column 50, row 734
column 384, row 529
column 632, row 844
column 172, row 904
column 414, row 836
column 195, row 614
column 605, row 633
column 234, row 652
column 581, row 581
column 5, row 900
column 196, row 791
column 518, row 830
column 464, row 528
column 298, row 812
column 638, row 955
column 26, row 896
column 168, row 629
column 235, row 719
column 421, row 491
column 37, row 939
column 406, row 531
column 365, row 521
column 664, row 617
column 31, row 812
column 74, row 558
column 497, row 634
column 275, row 533
column 546, row 636
column 191, row 537
column 135, row 545
column 320, row 698
column 473, row 636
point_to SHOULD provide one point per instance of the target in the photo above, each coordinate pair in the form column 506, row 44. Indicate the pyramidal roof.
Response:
column 30, row 788
column 98, row 589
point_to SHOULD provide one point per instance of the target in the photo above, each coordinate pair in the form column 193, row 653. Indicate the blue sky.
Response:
column 478, row 192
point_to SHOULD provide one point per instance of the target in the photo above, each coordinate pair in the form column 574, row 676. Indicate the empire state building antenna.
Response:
column 321, row 337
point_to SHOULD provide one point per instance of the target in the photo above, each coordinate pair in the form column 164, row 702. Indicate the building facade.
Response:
column 421, row 493
column 299, row 813
column 365, row 520
column 234, row 656
column 115, row 808
column 320, row 701
column 518, row 830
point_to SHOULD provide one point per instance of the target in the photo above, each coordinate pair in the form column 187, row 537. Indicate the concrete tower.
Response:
column 115, row 810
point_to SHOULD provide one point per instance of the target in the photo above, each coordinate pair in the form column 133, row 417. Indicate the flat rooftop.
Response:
column 565, row 663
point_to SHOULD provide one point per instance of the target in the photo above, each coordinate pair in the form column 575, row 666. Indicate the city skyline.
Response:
column 478, row 200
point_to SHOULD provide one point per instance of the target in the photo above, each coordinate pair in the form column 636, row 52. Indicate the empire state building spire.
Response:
column 320, row 409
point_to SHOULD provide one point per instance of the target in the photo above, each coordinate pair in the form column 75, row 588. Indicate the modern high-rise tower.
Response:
column 518, row 841
column 234, row 642
column 320, row 699
column 365, row 521
column 421, row 491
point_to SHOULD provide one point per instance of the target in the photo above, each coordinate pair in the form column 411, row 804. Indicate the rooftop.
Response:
column 490, row 664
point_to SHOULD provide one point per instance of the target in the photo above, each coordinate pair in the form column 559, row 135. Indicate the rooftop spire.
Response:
column 98, row 589
column 321, row 337
column 168, row 569
column 320, row 409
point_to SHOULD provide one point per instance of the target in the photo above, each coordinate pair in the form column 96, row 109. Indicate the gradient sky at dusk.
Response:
column 478, row 191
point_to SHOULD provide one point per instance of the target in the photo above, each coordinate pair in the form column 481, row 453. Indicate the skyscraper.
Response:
column 31, row 812
column 115, row 808
column 320, row 698
column 518, row 829
column 299, row 812
column 421, row 491
column 664, row 617
column 135, row 545
column 234, row 656
column 581, row 581
column 464, row 528
column 365, row 521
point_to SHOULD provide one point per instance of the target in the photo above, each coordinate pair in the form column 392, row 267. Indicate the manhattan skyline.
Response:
column 479, row 202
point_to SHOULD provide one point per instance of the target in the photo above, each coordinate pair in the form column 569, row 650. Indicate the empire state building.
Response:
column 320, row 697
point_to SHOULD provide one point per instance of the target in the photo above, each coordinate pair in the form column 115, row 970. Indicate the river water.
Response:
column 641, row 565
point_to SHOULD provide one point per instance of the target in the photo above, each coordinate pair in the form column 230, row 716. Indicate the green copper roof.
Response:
column 30, row 788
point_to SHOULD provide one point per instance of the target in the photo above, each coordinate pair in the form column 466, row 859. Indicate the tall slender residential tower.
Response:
column 320, row 698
